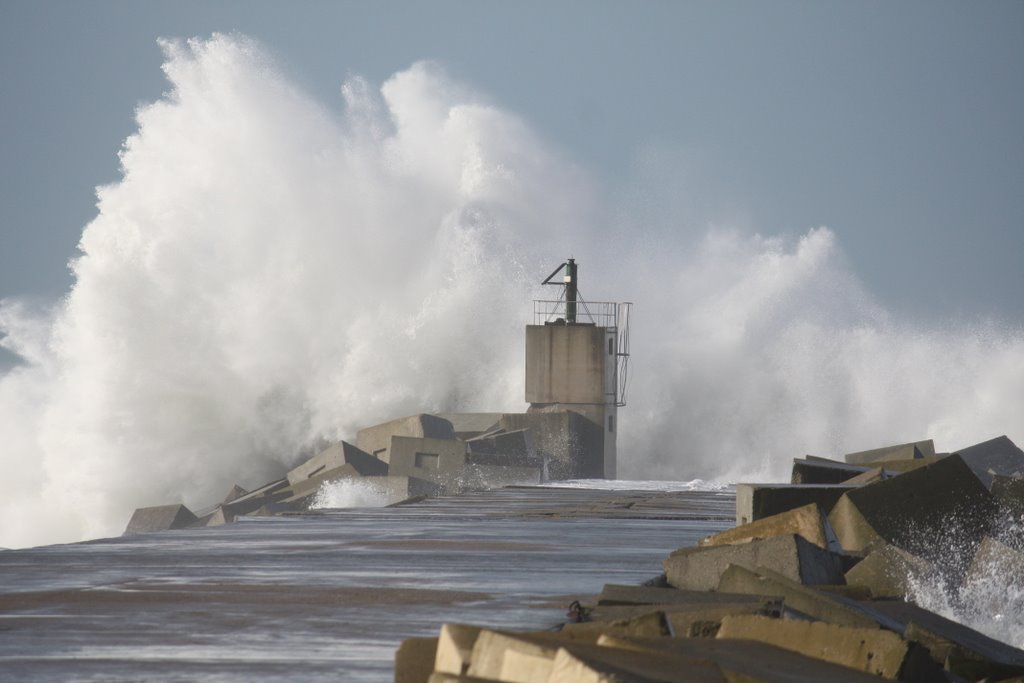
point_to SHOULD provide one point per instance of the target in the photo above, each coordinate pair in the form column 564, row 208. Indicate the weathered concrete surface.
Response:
column 613, row 595
column 604, row 664
column 506, row 447
column 995, row 456
column 871, row 650
column 651, row 624
column 756, row 501
column 705, row 622
column 886, row 571
column 305, row 488
column 903, row 451
column 1009, row 494
column 441, row 461
column 808, row 521
column 397, row 488
column 159, row 518
column 790, row 556
column 455, row 648
column 811, row 470
column 481, row 476
column 376, row 440
column 337, row 455
column 688, row 620
column 218, row 517
column 820, row 605
column 514, row 656
column 746, row 660
column 870, row 477
column 565, row 364
column 469, row 425
column 414, row 660
column 234, row 494
column 269, row 493
column 960, row 649
column 995, row 560
column 570, row 445
column 913, row 509
column 894, row 467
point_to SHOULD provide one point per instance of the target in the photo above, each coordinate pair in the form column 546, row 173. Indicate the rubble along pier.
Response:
column 815, row 583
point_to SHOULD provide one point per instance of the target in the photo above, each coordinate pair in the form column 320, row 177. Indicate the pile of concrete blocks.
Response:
column 410, row 457
column 811, row 586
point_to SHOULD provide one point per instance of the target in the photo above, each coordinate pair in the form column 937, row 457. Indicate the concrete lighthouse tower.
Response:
column 577, row 355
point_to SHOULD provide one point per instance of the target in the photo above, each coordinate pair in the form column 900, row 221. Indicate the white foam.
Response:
column 271, row 271
column 349, row 493
column 988, row 598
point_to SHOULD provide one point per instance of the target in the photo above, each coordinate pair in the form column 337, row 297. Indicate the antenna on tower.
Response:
column 571, row 288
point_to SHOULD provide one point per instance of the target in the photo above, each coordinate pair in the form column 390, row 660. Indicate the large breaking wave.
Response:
column 269, row 273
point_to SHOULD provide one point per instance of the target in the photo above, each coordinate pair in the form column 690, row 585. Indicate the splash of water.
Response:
column 349, row 493
column 269, row 273
column 987, row 592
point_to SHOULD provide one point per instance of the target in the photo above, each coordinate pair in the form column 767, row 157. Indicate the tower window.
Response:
column 427, row 461
column 611, row 348
column 611, row 423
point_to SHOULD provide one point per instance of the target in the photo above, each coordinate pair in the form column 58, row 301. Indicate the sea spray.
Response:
column 270, row 273
column 349, row 493
column 986, row 593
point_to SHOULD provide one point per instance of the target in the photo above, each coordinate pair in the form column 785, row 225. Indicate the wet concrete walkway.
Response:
column 329, row 596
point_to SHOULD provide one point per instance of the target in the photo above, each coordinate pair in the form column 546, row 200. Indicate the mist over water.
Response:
column 272, row 271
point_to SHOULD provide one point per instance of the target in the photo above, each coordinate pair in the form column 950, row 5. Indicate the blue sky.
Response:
column 898, row 125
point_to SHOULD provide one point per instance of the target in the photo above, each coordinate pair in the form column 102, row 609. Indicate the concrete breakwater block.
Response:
column 994, row 562
column 441, row 461
column 745, row 660
column 376, row 440
column 455, row 648
column 789, row 555
column 477, row 476
column 677, row 620
column 1009, row 494
column 808, row 522
column 998, row 456
column 338, row 455
column 234, row 494
column 505, row 656
column 650, row 624
column 812, row 470
column 871, row 476
column 913, row 509
column 578, row 663
column 903, row 451
column 159, row 518
column 273, row 492
column 871, row 650
column 894, row 467
column 414, row 660
column 818, row 604
column 958, row 648
column 616, row 595
column 515, row 446
column 756, row 501
column 466, row 426
column 305, row 489
column 886, row 571
column 570, row 444
column 713, row 610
